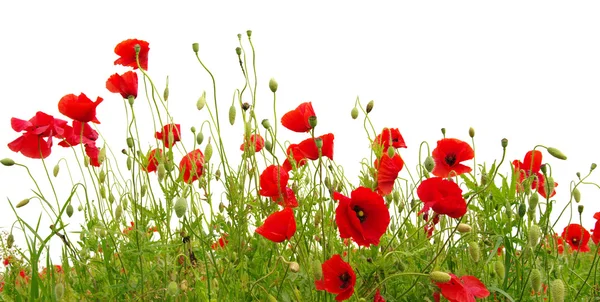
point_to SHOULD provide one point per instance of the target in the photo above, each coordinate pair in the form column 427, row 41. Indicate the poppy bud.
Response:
column 484, row 178
column 429, row 164
column 238, row 51
column 7, row 162
column 130, row 142
column 129, row 163
column 208, row 151
column 499, row 269
column 440, row 277
column 543, row 168
column 369, row 106
column 143, row 190
column 391, row 152
column 522, row 209
column 317, row 270
column 549, row 186
column 101, row 177
column 59, row 291
column 199, row 138
column 533, row 236
column 471, row 132
column 294, row 266
column 55, row 170
column 172, row 288
column 312, row 121
column 396, row 196
column 576, row 195
column 533, row 202
column 193, row 129
column 265, row 123
column 317, row 220
column 580, row 209
column 443, row 132
column 195, row 47
column 131, row 100
column 270, row 298
column 201, row 101
column 161, row 171
column 557, row 290
column 269, row 146
column 463, row 228
column 118, row 212
column 69, row 210
column 536, row 280
column 504, row 142
column 180, row 207
column 232, row 113
column 474, row 251
column 578, row 175
column 593, row 166
column 221, row 207
column 166, row 93
column 23, row 202
column 556, row 153
column 273, row 85
column 79, row 208
column 10, row 240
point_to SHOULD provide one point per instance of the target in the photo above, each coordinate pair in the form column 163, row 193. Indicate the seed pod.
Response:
column 536, row 280
column 440, row 277
column 499, row 269
column 55, row 170
column 195, row 47
column 232, row 113
column 201, row 101
column 504, row 143
column 69, row 210
column 580, row 209
column 557, row 290
column 312, row 121
column 549, row 185
column 180, row 207
column 474, row 251
column 576, row 195
column 354, row 113
column 471, row 132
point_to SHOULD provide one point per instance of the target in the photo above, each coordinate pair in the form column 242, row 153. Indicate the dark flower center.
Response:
column 450, row 159
column 360, row 214
column 575, row 241
column 345, row 278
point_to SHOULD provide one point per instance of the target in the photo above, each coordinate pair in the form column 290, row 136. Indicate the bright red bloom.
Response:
column 364, row 217
column 387, row 172
column 191, row 166
column 465, row 289
column 222, row 242
column 531, row 165
column 577, row 237
column 36, row 142
column 443, row 196
column 279, row 226
column 596, row 230
column 378, row 297
column 79, row 108
column 297, row 119
column 6, row 261
column 125, row 84
column 273, row 181
column 126, row 51
column 541, row 187
column 82, row 133
column 338, row 278
column 165, row 134
column 256, row 143
column 153, row 160
column 448, row 155
column 389, row 137
column 307, row 149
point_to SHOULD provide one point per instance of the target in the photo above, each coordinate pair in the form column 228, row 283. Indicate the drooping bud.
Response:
column 463, row 228
column 354, row 113
column 391, row 151
column 221, row 207
column 56, row 170
column 199, row 138
column 317, row 270
column 533, row 236
column 580, row 209
column 59, row 291
column 10, row 240
column 79, row 208
column 440, row 277
column 265, row 123
column 195, row 47
column 396, row 196
column 429, row 164
column 471, row 132
column 556, row 153
column 7, row 162
column 161, row 171
column 544, row 169
column 522, row 209
column 576, row 195
column 232, row 113
column 370, row 106
column 23, row 202
column 130, row 142
column 273, row 85
column 557, row 290
column 180, row 207
column 208, row 151
column 499, row 269
column 533, row 202
column 166, row 93
column 536, row 280
column 504, row 143
column 474, row 251
column 118, row 212
column 312, row 121
column 549, row 185
column 269, row 146
column 294, row 266
column 193, row 129
column 172, row 288
column 69, row 210
column 593, row 166
column 201, row 101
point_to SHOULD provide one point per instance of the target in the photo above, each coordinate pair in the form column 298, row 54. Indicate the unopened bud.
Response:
column 593, row 166
column 533, row 202
column 118, row 212
column 390, row 152
column 129, row 163
column 578, row 175
column 166, row 94
column 440, row 277
column 557, row 290
column 221, row 207
column 580, row 209
column 193, row 129
column 172, row 288
column 536, row 280
column 201, row 101
column 544, row 169
column 443, row 131
column 317, row 270
column 180, row 207
column 370, row 106
column 269, row 146
column 56, row 170
column 576, row 195
column 499, row 269
column 161, row 171
column 199, row 138
column 354, row 113
column 556, row 153
column 294, row 267
column 265, row 123
column 504, row 142
column 474, row 251
column 69, row 210
column 232, row 113
column 429, row 164
column 522, row 209
column 463, row 228
column 396, row 196
column 23, row 202
column 273, row 85
column 10, row 240
column 195, row 47
column 208, row 151
column 59, row 291
column 471, row 132
column 7, row 162
column 533, row 236
column 549, row 186
column 312, row 121
column 101, row 177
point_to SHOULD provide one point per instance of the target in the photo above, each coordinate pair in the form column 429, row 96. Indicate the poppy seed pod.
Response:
column 180, row 207
column 593, row 166
column 195, row 47
column 504, row 143
column 249, row 33
column 273, row 85
column 440, row 277
column 556, row 153
column 238, row 51
column 549, row 186
column 232, row 113
column 429, row 164
column 55, row 170
column 536, row 280
column 201, row 101
column 576, row 195
column 443, row 131
column 580, row 209
column 246, row 106
column 370, row 106
column 312, row 121
column 557, row 290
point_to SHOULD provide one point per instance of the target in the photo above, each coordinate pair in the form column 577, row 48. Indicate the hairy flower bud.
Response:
column 593, row 166
column 118, row 212
column 317, row 270
column 59, row 291
column 10, row 240
column 208, row 151
column 429, row 164
column 166, row 93
column 232, row 114
column 101, row 177
column 556, row 153
column 474, row 251
column 130, row 142
column 269, row 146
column 354, row 113
column 23, row 202
column 180, row 207
column 576, row 195
column 294, row 266
column 499, row 268
column 370, row 106
column 56, row 170
column 265, row 123
column 536, row 280
column 522, row 209
column 471, row 132
column 273, row 85
column 464, row 228
column 69, row 210
column 7, row 162
column 549, row 185
column 533, row 202
column 557, row 290
column 199, row 138
column 201, row 101
column 533, row 236
column 172, row 288
column 440, row 277
column 161, row 171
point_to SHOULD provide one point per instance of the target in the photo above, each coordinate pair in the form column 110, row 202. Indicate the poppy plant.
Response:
column 169, row 135
column 256, row 143
column 153, row 160
column 273, row 181
column 126, row 51
column 443, row 196
column 36, row 142
column 307, row 149
column 79, row 108
column 448, row 155
column 531, row 166
column 596, row 230
column 577, row 237
column 378, row 297
column 364, row 217
column 387, row 172
column 463, row 289
column 222, row 242
column 389, row 137
column 191, row 166
column 297, row 119
column 125, row 84
column 279, row 226
column 338, row 278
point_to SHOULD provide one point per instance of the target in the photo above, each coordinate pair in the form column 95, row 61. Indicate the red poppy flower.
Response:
column 191, row 166
column 125, row 84
column 307, row 149
column 389, row 137
column 126, row 51
column 378, row 297
column 297, row 119
column 363, row 217
column 387, row 172
column 75, row 135
column 273, row 181
column 577, row 237
column 165, row 135
column 36, row 142
column 256, row 143
column 443, row 196
column 465, row 289
column 596, row 230
column 541, row 186
column 222, row 242
column 153, row 160
column 79, row 108
column 279, row 226
column 338, row 278
column 448, row 155
column 531, row 165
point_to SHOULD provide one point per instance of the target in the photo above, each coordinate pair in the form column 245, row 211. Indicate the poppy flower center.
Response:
column 575, row 241
column 360, row 214
column 345, row 278
column 450, row 159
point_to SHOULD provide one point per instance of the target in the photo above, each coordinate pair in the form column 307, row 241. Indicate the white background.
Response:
column 525, row 70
